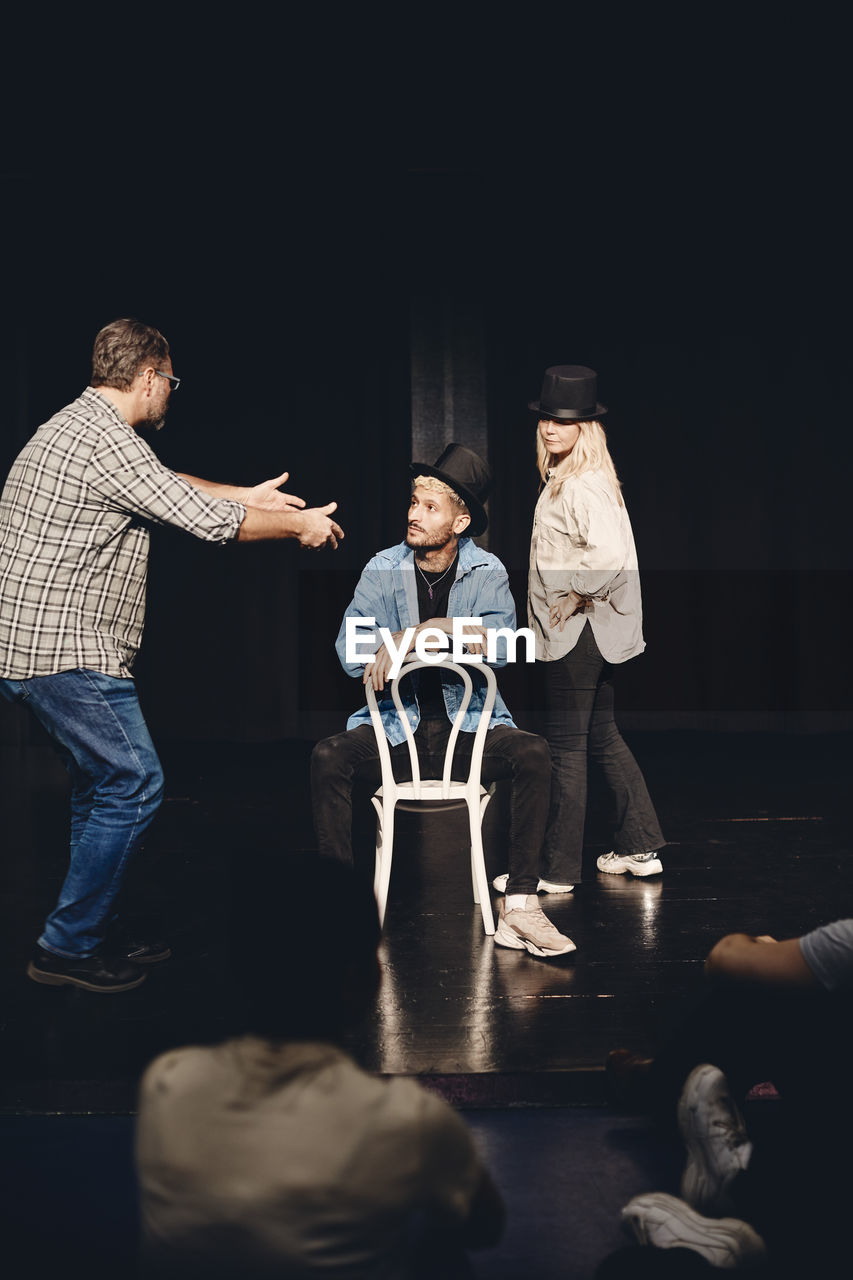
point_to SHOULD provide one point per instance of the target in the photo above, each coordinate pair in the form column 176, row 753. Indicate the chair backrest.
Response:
column 462, row 670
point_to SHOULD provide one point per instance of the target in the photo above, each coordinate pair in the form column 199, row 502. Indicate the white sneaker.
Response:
column 717, row 1144
column 665, row 1222
column 530, row 929
column 544, row 886
column 638, row 864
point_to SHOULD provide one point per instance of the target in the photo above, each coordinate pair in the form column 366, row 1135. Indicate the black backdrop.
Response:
column 680, row 223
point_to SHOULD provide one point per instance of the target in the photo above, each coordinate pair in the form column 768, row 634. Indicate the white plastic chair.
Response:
column 470, row 792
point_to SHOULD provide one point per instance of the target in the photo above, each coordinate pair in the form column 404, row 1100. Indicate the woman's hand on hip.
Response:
column 561, row 610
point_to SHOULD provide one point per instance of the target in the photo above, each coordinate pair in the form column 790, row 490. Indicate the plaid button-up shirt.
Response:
column 74, row 541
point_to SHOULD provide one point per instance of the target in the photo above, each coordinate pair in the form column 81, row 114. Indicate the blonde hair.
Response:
column 589, row 453
column 438, row 486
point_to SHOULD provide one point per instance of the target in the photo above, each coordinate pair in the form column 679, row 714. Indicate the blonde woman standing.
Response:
column 585, row 609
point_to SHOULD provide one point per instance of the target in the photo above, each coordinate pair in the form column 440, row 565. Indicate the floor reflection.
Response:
column 452, row 1004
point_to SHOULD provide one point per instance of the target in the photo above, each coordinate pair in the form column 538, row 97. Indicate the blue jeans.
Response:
column 96, row 724
column 579, row 724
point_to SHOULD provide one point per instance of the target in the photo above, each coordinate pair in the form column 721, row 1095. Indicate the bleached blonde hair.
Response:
column 438, row 486
column 589, row 453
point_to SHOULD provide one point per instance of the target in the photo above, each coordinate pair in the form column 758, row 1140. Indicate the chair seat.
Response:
column 430, row 789
column 430, row 797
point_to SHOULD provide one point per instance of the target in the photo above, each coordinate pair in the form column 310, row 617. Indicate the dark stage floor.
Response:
column 759, row 842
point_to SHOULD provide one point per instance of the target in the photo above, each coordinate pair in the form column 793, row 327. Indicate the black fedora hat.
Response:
column 468, row 474
column 569, row 392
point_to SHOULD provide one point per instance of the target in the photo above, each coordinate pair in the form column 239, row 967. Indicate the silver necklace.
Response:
column 435, row 584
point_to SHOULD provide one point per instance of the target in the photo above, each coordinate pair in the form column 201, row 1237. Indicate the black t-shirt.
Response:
column 430, row 697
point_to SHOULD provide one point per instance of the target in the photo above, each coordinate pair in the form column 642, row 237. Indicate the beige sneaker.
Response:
column 532, row 929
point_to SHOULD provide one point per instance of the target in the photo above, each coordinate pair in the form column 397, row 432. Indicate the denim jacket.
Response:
column 387, row 591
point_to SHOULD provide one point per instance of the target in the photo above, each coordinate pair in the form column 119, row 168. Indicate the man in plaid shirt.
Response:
column 74, row 518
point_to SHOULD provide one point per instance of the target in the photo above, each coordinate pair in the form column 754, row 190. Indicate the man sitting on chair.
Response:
column 435, row 575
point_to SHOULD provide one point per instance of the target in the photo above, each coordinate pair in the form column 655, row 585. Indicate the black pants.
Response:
column 579, row 724
column 337, row 763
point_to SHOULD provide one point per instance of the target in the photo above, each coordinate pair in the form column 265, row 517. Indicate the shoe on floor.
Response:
column 665, row 1222
column 530, row 929
column 93, row 973
column 544, row 886
column 637, row 864
column 717, row 1144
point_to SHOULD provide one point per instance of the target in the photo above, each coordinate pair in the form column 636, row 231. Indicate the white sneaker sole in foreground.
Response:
column 665, row 1222
column 717, row 1145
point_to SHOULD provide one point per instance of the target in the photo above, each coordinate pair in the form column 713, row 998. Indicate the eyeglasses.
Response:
column 175, row 382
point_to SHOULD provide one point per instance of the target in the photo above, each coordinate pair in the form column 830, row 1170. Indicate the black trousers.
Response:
column 579, row 725
column 337, row 763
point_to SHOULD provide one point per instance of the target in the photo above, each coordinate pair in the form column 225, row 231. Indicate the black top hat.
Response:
column 569, row 391
column 468, row 475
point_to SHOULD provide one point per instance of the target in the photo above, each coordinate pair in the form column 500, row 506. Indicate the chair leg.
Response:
column 377, row 862
column 384, row 853
column 484, row 800
column 478, row 865
column 377, row 865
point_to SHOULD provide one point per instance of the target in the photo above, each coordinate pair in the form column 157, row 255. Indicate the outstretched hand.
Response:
column 268, row 497
column 317, row 529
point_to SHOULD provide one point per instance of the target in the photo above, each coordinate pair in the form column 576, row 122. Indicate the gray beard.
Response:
column 157, row 423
